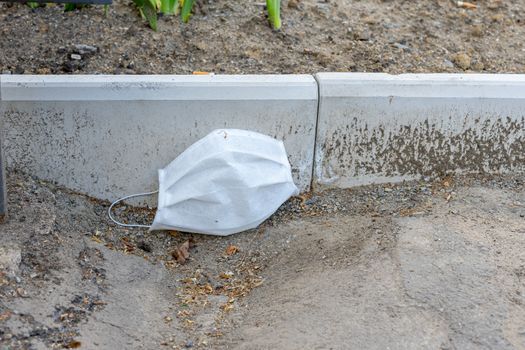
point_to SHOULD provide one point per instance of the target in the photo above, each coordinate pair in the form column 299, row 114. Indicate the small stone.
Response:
column 189, row 344
column 293, row 4
column 76, row 57
column 362, row 35
column 478, row 66
column 10, row 258
column 402, row 47
column 462, row 60
column 370, row 20
column 477, row 30
column 497, row 18
column 448, row 64
column 81, row 48
column 391, row 25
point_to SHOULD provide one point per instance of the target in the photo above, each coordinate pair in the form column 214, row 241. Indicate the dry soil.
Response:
column 420, row 265
column 229, row 36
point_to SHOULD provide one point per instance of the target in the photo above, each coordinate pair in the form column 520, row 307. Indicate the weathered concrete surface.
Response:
column 107, row 135
column 375, row 128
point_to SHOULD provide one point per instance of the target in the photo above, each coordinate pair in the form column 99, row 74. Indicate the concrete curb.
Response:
column 375, row 128
column 106, row 136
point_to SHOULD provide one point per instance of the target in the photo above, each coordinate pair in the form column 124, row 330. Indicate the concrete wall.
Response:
column 381, row 128
column 107, row 135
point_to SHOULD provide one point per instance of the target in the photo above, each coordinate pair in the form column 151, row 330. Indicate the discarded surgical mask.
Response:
column 229, row 181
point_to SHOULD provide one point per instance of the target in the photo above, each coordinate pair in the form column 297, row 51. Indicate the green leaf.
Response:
column 69, row 7
column 150, row 12
column 186, row 10
column 274, row 13
column 33, row 5
column 168, row 7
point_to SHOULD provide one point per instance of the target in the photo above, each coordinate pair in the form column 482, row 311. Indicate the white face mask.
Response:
column 229, row 181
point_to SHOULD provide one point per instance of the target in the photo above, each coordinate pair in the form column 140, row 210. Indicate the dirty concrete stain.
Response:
column 120, row 86
column 423, row 148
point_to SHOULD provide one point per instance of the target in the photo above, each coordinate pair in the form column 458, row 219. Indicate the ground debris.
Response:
column 205, row 298
column 232, row 249
column 182, row 252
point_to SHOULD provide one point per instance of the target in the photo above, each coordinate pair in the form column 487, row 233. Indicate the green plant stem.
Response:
column 33, row 5
column 186, row 10
column 274, row 13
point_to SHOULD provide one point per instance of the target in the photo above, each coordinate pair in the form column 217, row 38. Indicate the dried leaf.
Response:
column 74, row 344
column 183, row 314
column 96, row 239
column 232, row 249
column 182, row 253
column 173, row 233
column 226, row 275
column 227, row 307
column 467, row 5
column 5, row 315
column 128, row 247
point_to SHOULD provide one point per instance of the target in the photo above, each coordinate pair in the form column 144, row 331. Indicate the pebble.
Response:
column 477, row 30
column 10, row 258
column 81, row 48
column 402, row 47
column 391, row 25
column 478, row 66
column 362, row 35
column 293, row 4
column 462, row 60
column 75, row 56
column 448, row 63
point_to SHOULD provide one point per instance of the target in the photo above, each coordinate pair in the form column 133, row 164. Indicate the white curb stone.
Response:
column 106, row 136
column 375, row 128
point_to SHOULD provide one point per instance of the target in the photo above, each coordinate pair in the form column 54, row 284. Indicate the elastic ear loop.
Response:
column 123, row 199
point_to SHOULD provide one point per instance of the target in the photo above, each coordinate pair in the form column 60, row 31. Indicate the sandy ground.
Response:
column 422, row 265
column 231, row 36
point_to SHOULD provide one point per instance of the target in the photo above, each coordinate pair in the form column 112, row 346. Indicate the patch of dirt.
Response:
column 374, row 262
column 227, row 36
column 443, row 274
